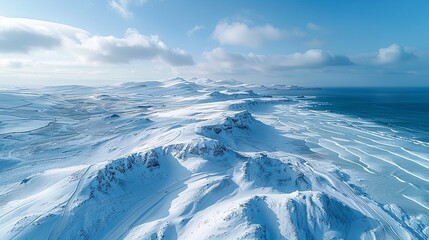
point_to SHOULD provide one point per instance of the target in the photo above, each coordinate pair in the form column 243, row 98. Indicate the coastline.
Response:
column 198, row 156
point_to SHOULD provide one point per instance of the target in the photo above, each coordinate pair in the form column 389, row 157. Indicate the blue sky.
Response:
column 310, row 43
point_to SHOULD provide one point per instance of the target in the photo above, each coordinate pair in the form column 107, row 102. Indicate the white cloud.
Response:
column 393, row 54
column 122, row 6
column 20, row 40
column 221, row 61
column 195, row 29
column 133, row 46
column 19, row 35
column 313, row 58
column 23, row 36
column 238, row 33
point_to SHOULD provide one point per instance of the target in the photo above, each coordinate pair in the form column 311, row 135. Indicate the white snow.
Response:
column 186, row 159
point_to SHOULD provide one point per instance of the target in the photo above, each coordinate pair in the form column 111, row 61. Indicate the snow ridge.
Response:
column 110, row 173
column 177, row 159
column 240, row 121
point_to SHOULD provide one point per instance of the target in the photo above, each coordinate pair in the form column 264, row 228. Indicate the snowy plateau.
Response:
column 190, row 159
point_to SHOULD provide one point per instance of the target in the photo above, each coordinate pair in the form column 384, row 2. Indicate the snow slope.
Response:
column 183, row 159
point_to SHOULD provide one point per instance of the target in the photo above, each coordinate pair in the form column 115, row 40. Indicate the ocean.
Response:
column 405, row 110
column 380, row 136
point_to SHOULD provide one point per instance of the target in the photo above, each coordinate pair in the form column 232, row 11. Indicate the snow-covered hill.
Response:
column 177, row 159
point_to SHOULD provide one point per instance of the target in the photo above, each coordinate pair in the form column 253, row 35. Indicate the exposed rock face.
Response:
column 240, row 121
column 114, row 171
column 201, row 147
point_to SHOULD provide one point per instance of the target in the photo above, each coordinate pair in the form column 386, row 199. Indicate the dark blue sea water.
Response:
column 377, row 135
column 405, row 110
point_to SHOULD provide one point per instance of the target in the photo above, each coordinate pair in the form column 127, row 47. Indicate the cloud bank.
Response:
column 19, row 35
column 32, row 48
column 25, row 35
column 222, row 61
column 133, row 46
